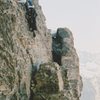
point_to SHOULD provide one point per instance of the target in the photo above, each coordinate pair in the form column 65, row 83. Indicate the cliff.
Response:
column 33, row 64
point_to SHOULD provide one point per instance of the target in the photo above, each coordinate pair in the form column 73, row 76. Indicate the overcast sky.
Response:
column 82, row 17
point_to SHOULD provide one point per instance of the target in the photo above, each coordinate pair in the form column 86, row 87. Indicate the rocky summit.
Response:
column 35, row 64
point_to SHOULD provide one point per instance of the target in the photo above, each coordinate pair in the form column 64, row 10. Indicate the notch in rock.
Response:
column 56, row 49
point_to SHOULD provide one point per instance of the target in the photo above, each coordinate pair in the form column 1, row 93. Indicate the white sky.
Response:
column 82, row 17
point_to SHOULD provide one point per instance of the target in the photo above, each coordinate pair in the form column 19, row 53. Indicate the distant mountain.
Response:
column 86, row 57
column 88, row 90
column 90, row 71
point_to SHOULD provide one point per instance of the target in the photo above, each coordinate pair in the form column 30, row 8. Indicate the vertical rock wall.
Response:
column 21, row 53
column 19, row 49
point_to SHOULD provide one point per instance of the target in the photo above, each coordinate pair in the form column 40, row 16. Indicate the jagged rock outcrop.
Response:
column 63, row 48
column 22, row 51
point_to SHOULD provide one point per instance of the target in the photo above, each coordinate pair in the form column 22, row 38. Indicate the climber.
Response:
column 31, row 17
column 30, row 14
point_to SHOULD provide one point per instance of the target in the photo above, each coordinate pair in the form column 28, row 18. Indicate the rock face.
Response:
column 27, row 68
column 65, row 55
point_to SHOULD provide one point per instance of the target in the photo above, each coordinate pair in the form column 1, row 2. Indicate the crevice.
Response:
column 56, row 58
column 56, row 49
column 34, row 70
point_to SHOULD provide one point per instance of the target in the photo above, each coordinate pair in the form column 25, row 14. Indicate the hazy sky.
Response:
column 82, row 17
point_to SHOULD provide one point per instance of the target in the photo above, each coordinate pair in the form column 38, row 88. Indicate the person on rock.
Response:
column 31, row 18
column 30, row 13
